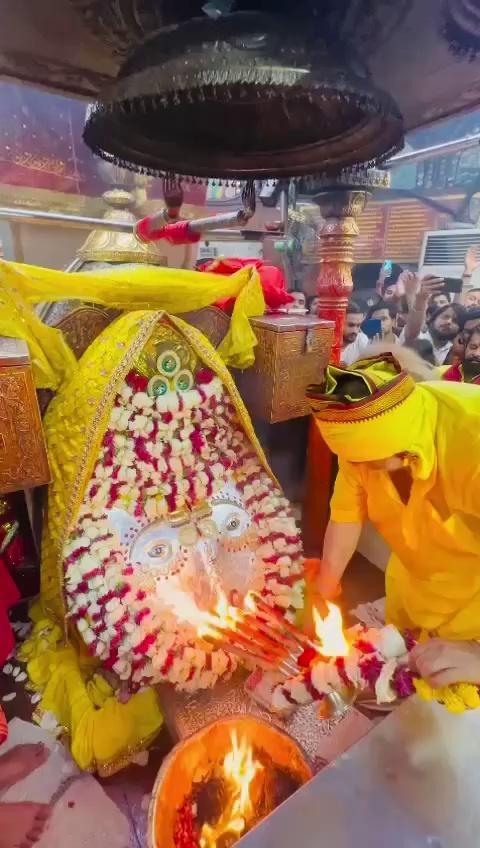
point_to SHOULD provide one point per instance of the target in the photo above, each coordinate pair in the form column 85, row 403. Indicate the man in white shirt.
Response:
column 355, row 342
column 385, row 311
column 443, row 326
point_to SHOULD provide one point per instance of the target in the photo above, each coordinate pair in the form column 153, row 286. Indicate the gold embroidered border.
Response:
column 385, row 399
column 94, row 437
column 95, row 431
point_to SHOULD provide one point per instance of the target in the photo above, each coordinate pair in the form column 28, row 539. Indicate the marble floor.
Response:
column 130, row 789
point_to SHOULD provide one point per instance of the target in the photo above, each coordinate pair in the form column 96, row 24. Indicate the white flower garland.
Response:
column 162, row 454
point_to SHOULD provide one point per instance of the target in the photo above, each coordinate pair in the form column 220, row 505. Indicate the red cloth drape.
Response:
column 271, row 278
column 3, row 727
column 454, row 374
column 9, row 595
column 176, row 232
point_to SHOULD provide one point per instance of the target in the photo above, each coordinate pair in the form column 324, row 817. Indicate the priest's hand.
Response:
column 314, row 597
column 442, row 663
column 327, row 585
column 339, row 545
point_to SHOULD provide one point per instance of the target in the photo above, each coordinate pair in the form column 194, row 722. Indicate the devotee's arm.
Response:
column 415, row 321
column 472, row 262
column 407, row 285
column 348, row 513
column 417, row 314
column 340, row 543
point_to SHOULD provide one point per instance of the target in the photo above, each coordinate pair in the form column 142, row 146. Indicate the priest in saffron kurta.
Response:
column 409, row 462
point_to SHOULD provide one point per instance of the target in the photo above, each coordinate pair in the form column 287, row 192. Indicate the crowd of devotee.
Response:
column 419, row 312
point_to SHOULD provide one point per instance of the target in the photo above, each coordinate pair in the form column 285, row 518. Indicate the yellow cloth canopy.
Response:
column 174, row 291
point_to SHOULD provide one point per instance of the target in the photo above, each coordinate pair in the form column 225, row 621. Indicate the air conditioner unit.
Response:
column 443, row 251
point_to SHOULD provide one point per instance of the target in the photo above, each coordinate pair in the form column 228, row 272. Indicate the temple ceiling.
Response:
column 77, row 46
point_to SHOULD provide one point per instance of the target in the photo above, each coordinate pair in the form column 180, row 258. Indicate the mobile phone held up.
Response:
column 453, row 285
column 372, row 328
column 387, row 268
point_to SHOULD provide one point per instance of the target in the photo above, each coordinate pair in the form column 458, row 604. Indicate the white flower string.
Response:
column 160, row 455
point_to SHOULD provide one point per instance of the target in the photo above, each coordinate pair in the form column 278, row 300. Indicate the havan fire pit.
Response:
column 219, row 783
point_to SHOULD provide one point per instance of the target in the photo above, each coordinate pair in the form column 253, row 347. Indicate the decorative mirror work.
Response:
column 178, row 513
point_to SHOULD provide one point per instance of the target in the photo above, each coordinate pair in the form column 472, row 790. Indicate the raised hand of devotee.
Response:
column 441, row 662
column 429, row 285
column 173, row 195
column 472, row 259
column 380, row 284
column 407, row 284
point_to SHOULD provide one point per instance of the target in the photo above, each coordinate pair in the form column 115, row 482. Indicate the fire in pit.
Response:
column 234, row 787
column 218, row 784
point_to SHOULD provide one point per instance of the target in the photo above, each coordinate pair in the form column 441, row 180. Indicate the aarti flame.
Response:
column 329, row 632
column 249, row 602
column 183, row 605
column 223, row 615
column 239, row 768
column 186, row 609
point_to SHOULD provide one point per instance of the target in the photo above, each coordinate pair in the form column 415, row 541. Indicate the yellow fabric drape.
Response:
column 104, row 733
column 172, row 290
column 52, row 359
column 102, row 730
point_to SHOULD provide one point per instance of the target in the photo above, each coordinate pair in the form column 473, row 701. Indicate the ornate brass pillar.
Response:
column 339, row 209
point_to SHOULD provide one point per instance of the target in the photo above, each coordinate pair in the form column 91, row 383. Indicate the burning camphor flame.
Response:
column 249, row 602
column 329, row 632
column 239, row 768
column 224, row 615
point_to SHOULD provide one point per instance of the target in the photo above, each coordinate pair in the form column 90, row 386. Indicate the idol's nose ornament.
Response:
column 206, row 577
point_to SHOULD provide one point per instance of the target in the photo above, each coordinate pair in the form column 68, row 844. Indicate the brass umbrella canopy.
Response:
column 242, row 95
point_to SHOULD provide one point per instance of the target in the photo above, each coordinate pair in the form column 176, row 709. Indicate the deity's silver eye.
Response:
column 229, row 514
column 233, row 523
column 159, row 551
